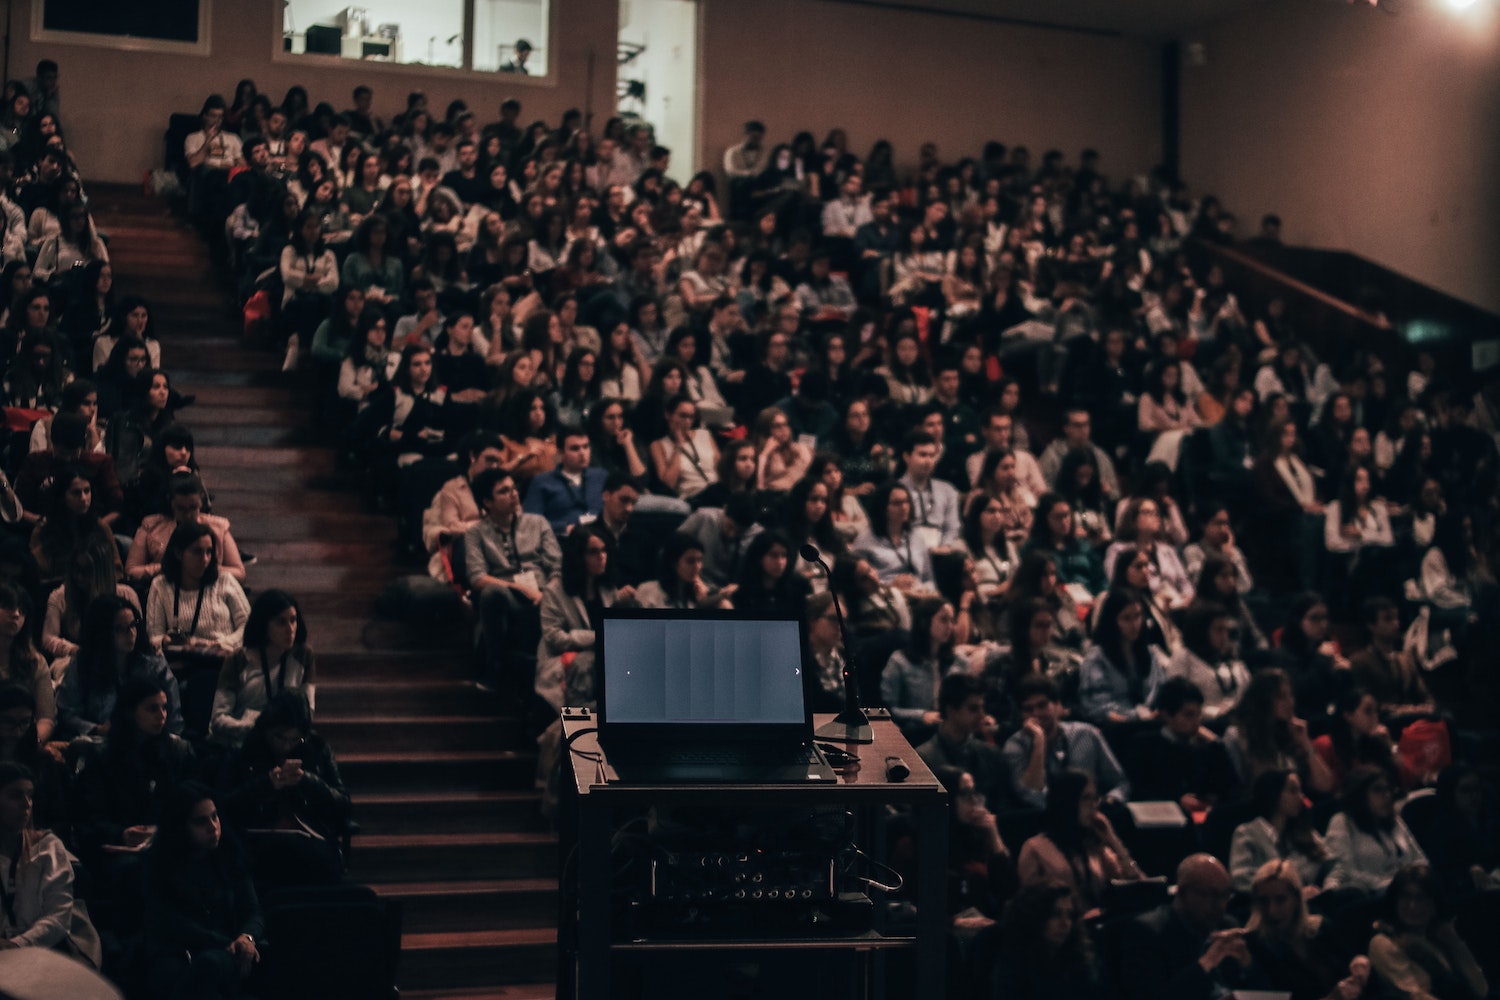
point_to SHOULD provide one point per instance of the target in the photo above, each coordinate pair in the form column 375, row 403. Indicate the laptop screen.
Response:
column 697, row 669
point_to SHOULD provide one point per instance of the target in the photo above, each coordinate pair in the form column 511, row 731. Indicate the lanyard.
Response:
column 197, row 608
column 908, row 562
column 265, row 670
column 512, row 552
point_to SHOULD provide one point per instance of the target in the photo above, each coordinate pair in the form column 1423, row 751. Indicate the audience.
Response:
column 610, row 391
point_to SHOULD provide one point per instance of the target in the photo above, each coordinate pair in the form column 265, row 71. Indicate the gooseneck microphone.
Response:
column 851, row 725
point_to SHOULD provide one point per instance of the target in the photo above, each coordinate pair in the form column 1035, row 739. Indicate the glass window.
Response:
column 481, row 35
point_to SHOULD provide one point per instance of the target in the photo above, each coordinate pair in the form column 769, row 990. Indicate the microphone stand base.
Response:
column 847, row 727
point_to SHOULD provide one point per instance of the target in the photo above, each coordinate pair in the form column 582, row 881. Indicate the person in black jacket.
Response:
column 203, row 918
column 1187, row 949
column 282, row 791
column 1178, row 762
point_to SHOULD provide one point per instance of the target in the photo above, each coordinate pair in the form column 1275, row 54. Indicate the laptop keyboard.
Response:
column 732, row 756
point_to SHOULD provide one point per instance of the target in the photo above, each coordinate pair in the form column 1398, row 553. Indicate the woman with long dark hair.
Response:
column 909, row 682
column 1077, row 846
column 1368, row 840
column 1045, row 952
column 203, row 917
column 1054, row 530
column 1357, row 738
column 572, row 605
column 1120, row 674
column 1282, row 830
column 193, row 607
column 20, row 663
column 275, row 657
column 769, row 581
column 284, row 778
column 807, row 519
column 1267, row 735
column 1208, row 657
column 1416, row 948
column 679, row 581
column 113, row 648
column 899, row 554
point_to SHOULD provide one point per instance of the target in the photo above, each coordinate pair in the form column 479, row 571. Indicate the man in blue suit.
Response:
column 571, row 493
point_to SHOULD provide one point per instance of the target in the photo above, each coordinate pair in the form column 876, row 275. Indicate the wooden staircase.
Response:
column 442, row 786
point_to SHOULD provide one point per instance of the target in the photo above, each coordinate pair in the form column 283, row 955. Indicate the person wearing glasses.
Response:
column 1369, row 841
column 1188, row 949
column 113, row 648
column 1076, row 430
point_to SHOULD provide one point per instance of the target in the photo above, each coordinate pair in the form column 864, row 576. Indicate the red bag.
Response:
column 1425, row 748
column 20, row 420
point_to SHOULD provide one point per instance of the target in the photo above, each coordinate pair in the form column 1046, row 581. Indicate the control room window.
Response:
column 478, row 35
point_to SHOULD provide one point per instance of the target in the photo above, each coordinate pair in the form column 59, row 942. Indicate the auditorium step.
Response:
column 401, row 857
column 496, row 904
column 442, row 783
column 458, row 959
column 458, row 811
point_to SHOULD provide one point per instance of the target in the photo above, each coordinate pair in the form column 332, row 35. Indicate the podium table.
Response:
column 592, row 797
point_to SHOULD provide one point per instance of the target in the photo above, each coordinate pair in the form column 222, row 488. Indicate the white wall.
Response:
column 669, row 67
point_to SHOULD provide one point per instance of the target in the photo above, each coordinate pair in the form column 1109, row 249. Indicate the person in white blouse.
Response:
column 1209, row 659
column 1368, row 841
column 192, row 607
column 1356, row 519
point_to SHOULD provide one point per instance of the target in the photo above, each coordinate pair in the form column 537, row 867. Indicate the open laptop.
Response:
column 704, row 697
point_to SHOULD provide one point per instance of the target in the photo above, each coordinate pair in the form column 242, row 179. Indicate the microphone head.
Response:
column 810, row 552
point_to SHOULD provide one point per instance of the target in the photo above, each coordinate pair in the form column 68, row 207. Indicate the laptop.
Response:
column 706, row 697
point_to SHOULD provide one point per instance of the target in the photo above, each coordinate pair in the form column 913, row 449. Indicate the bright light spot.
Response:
column 1460, row 4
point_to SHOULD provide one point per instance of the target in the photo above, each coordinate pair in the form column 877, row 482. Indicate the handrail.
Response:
column 1267, row 271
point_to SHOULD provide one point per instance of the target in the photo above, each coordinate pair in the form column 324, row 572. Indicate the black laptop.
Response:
column 705, row 697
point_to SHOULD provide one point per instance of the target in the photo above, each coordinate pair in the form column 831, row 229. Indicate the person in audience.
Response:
column 283, row 793
column 768, row 579
column 1188, row 948
column 1078, row 845
column 1417, row 950
column 612, row 441
column 1119, row 676
column 18, row 745
column 193, row 607
column 122, row 783
column 274, row 658
column 679, row 581
column 510, row 556
column 1208, row 658
column 957, row 743
column 1292, row 949
column 1055, row 530
column 1282, row 831
column 112, row 649
column 1368, row 840
column 203, row 918
column 20, row 663
column 1047, row 745
column 1181, row 761
column 1265, row 734
column 1311, row 656
column 574, row 491
column 1357, row 738
column 899, row 554
column 909, row 683
column 1045, row 951
column 1462, row 838
column 185, row 503
column 781, row 460
column 686, row 459
column 571, row 607
column 936, row 514
column 1141, row 530
column 1076, row 435
column 71, row 525
column 38, row 911
column 1386, row 670
column 1218, row 581
column 310, row 276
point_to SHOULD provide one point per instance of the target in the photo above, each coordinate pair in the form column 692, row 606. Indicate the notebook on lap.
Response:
column 704, row 697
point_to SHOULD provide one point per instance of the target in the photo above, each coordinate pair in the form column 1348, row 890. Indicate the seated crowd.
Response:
column 1239, row 581
column 157, row 756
